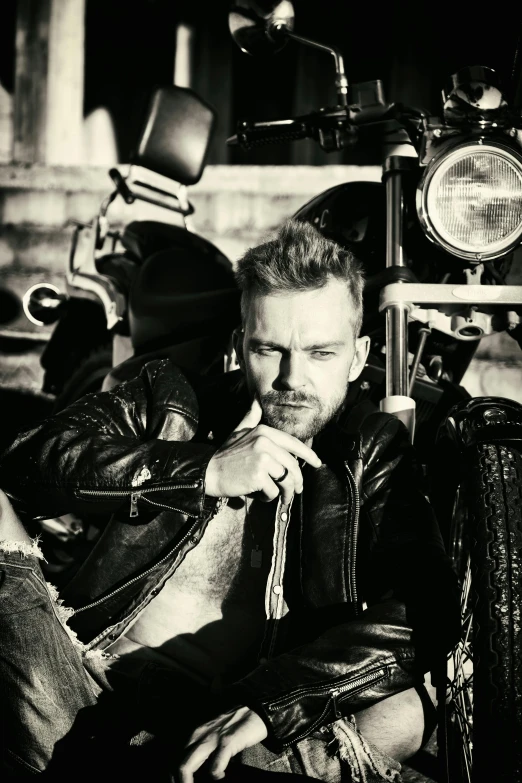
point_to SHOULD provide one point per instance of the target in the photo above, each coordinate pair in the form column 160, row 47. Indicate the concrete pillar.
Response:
column 48, row 103
column 183, row 62
column 6, row 126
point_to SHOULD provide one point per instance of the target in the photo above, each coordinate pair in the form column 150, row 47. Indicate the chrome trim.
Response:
column 451, row 308
column 423, row 187
column 112, row 301
column 26, row 297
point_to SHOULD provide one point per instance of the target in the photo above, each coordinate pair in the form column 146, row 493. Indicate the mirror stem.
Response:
column 341, row 82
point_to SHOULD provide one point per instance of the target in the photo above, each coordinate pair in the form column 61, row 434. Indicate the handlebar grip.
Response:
column 251, row 134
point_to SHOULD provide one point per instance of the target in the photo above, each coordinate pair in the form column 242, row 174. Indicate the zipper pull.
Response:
column 134, row 504
column 337, row 711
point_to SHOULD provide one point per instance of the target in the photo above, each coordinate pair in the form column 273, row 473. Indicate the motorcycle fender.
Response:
column 484, row 420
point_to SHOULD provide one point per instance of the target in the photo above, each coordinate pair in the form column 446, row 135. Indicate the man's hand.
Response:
column 254, row 457
column 221, row 738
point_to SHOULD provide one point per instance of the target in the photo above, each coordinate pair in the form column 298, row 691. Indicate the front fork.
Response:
column 397, row 401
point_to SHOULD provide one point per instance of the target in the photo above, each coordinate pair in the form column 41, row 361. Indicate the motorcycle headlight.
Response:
column 470, row 200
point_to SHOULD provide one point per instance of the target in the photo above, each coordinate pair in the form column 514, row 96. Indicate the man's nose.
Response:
column 292, row 372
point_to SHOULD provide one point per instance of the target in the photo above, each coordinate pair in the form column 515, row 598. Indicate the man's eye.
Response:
column 265, row 351
column 323, row 354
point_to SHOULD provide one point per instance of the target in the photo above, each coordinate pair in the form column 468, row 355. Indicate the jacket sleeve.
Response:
column 411, row 615
column 101, row 450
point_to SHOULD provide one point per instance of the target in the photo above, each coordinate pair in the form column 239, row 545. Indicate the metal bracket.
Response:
column 464, row 311
column 112, row 300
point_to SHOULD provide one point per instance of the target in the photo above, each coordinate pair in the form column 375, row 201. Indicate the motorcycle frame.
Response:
column 138, row 184
column 89, row 282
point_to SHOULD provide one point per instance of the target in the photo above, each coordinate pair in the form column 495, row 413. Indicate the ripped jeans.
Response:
column 70, row 715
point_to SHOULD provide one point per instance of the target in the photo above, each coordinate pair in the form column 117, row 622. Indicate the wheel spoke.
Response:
column 459, row 688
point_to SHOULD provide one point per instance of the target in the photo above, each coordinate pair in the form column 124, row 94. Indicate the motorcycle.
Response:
column 436, row 238
column 150, row 289
column 145, row 291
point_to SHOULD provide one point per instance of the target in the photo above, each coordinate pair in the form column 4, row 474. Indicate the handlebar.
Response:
column 255, row 134
column 332, row 128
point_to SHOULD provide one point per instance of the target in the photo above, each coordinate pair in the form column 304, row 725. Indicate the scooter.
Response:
column 149, row 289
column 436, row 237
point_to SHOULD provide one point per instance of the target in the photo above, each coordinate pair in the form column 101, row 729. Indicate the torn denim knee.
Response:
column 367, row 763
column 64, row 614
column 24, row 548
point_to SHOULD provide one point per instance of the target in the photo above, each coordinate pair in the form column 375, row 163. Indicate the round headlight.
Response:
column 470, row 200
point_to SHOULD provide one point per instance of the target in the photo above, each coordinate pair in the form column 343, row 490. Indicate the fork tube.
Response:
column 396, row 351
column 394, row 213
column 396, row 315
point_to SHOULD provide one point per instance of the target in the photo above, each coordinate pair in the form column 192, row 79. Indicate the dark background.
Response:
column 412, row 47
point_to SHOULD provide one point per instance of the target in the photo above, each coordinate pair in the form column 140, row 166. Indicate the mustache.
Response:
column 275, row 397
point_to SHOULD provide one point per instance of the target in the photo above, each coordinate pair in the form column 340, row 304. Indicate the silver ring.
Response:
column 282, row 477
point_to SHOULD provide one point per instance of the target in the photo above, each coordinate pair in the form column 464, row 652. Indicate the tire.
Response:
column 87, row 377
column 482, row 727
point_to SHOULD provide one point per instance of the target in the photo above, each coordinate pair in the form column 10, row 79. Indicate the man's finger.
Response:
column 221, row 761
column 290, row 463
column 197, row 757
column 269, row 491
column 292, row 445
column 287, row 491
column 252, row 418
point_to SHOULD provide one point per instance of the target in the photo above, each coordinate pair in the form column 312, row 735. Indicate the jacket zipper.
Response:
column 135, row 495
column 169, row 508
column 375, row 676
column 136, row 578
column 287, row 701
column 354, row 532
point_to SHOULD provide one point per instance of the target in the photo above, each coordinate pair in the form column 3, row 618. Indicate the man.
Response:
column 272, row 581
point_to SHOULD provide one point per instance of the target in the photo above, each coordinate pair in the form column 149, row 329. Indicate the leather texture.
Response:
column 373, row 600
column 177, row 134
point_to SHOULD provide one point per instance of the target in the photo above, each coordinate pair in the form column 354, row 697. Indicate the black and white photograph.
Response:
column 260, row 391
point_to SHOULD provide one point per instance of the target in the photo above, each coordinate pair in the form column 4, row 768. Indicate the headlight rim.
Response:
column 423, row 187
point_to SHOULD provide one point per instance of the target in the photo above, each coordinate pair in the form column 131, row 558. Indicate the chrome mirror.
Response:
column 260, row 26
column 264, row 26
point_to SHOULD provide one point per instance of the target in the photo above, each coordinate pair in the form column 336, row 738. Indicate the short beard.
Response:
column 289, row 419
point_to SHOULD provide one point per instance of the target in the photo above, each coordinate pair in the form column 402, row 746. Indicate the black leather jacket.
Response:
column 372, row 596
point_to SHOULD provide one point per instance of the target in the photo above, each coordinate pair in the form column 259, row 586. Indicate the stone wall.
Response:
column 235, row 207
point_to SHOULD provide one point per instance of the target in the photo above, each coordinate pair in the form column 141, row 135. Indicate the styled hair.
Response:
column 299, row 258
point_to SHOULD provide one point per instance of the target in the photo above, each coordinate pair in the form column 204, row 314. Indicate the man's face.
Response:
column 298, row 353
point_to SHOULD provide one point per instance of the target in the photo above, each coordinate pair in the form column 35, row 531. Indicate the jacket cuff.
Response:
column 187, row 467
column 271, row 696
column 294, row 700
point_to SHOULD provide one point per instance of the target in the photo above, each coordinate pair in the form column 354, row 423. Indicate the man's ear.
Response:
column 362, row 348
column 237, row 342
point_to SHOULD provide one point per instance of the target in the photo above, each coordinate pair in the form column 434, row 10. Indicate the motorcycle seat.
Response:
column 187, row 291
column 143, row 238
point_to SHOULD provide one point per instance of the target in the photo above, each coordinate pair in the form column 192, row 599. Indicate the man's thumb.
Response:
column 252, row 418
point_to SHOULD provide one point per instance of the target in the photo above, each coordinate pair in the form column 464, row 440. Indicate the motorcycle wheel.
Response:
column 87, row 377
column 481, row 731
